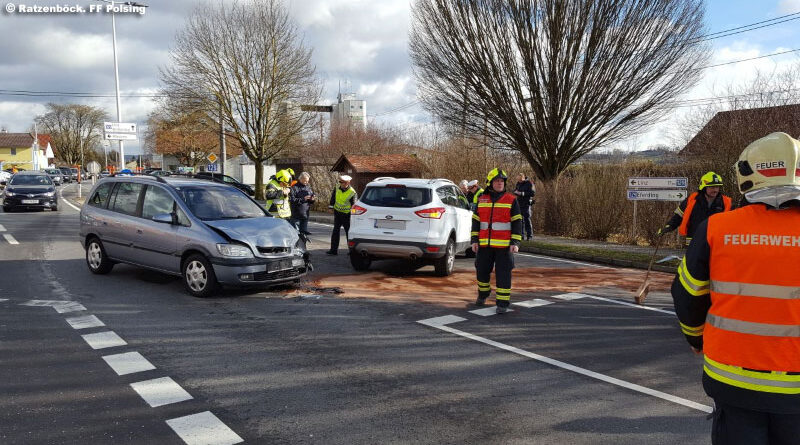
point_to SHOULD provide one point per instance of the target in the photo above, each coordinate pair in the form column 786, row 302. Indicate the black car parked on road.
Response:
column 30, row 190
column 225, row 179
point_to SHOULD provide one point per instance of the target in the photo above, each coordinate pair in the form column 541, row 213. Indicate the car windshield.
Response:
column 30, row 180
column 213, row 203
column 396, row 196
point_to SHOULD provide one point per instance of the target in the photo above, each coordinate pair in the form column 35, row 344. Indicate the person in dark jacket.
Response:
column 300, row 199
column 698, row 206
column 524, row 192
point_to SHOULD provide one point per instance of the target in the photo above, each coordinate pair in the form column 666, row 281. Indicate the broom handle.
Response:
column 652, row 258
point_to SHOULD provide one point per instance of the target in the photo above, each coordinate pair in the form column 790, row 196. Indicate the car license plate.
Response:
column 30, row 201
column 279, row 265
column 389, row 224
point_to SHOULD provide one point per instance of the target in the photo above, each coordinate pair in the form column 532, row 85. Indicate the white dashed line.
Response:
column 85, row 322
column 487, row 311
column 68, row 306
column 3, row 299
column 440, row 322
column 103, row 340
column 203, row 428
column 536, row 302
column 10, row 239
column 2, row 229
column 160, row 392
column 571, row 296
column 128, row 363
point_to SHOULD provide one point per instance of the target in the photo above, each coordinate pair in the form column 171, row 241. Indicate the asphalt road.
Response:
column 281, row 366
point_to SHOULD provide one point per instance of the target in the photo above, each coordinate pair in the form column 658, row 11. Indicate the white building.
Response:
column 349, row 111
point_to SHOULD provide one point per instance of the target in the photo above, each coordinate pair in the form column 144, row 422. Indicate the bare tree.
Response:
column 554, row 79
column 189, row 136
column 72, row 128
column 247, row 63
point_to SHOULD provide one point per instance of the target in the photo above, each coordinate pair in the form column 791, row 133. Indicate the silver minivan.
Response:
column 211, row 234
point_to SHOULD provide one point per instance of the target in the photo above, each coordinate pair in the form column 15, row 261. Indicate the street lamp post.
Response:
column 116, row 69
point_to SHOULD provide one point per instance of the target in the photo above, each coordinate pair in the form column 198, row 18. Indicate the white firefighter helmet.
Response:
column 768, row 170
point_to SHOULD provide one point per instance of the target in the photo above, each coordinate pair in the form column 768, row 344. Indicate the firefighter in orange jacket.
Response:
column 698, row 206
column 737, row 297
column 496, row 235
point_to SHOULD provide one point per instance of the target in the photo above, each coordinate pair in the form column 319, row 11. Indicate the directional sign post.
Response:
column 120, row 137
column 119, row 127
column 656, row 195
column 655, row 189
column 658, row 183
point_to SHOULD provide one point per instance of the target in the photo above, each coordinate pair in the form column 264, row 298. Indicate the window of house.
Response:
column 13, row 152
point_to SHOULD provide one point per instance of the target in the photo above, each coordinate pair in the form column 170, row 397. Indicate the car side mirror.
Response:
column 165, row 218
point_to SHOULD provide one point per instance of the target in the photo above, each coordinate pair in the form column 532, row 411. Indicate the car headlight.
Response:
column 49, row 194
column 234, row 251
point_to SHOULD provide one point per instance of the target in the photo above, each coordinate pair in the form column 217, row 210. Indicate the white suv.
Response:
column 425, row 220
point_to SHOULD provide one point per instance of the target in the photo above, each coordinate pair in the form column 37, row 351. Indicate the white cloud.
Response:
column 789, row 6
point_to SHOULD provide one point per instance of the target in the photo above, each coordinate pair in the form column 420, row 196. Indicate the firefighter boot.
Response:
column 483, row 293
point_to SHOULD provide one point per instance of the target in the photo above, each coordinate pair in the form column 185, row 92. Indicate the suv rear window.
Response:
column 396, row 196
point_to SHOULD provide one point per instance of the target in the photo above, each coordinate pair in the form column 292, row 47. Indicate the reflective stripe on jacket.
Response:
column 342, row 200
column 495, row 220
column 751, row 336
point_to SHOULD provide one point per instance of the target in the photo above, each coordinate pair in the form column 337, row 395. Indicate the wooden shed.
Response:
column 365, row 168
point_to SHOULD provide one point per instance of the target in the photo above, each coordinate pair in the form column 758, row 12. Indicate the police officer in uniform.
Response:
column 342, row 200
column 496, row 236
column 737, row 298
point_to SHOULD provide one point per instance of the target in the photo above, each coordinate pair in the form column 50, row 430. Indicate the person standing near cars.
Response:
column 277, row 195
column 496, row 236
column 474, row 192
column 301, row 198
column 342, row 200
column 524, row 192
column 736, row 297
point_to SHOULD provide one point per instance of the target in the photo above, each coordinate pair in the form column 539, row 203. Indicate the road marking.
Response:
column 638, row 306
column 61, row 195
column 10, row 238
column 487, row 311
column 128, row 363
column 85, row 322
column 441, row 322
column 536, row 302
column 61, row 306
column 102, row 340
column 203, row 428
column 3, row 299
column 2, row 229
column 161, row 391
column 571, row 296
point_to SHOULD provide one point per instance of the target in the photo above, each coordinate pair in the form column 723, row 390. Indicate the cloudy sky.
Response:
column 360, row 43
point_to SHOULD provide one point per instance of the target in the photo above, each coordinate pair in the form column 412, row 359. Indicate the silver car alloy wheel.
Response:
column 95, row 256
column 196, row 276
column 451, row 257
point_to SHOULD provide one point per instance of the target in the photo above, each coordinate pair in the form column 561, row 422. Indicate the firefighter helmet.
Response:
column 495, row 173
column 710, row 179
column 768, row 170
column 283, row 176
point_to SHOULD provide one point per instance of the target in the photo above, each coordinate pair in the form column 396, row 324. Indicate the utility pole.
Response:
column 223, row 155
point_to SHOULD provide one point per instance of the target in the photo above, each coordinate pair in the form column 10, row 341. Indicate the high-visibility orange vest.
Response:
column 495, row 229
column 690, row 202
column 754, row 319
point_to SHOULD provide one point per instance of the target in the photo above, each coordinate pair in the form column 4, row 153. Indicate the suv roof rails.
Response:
column 432, row 180
column 384, row 178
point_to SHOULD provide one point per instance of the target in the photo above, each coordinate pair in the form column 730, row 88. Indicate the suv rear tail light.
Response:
column 435, row 212
column 357, row 210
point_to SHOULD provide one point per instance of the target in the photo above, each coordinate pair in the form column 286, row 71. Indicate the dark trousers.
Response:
column 525, row 211
column 502, row 261
column 339, row 220
column 301, row 224
column 739, row 426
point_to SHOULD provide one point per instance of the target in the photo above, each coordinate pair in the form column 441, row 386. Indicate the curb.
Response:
column 557, row 254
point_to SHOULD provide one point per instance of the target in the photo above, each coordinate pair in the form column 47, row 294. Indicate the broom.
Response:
column 644, row 289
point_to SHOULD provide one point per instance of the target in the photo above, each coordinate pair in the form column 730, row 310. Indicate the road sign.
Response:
column 658, row 183
column 93, row 167
column 119, row 127
column 120, row 137
column 656, row 195
column 211, row 167
column 212, row 158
